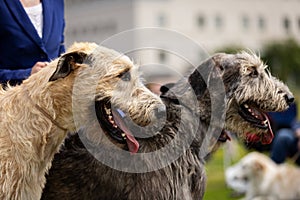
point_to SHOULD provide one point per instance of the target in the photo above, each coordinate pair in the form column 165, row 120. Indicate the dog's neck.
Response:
column 31, row 131
column 43, row 111
column 191, row 97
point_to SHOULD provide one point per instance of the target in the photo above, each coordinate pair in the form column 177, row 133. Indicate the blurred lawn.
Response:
column 216, row 188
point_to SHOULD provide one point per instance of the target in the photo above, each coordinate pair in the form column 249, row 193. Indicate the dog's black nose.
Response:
column 160, row 111
column 289, row 99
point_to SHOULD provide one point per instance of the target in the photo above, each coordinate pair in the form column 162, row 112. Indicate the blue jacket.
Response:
column 20, row 45
column 285, row 119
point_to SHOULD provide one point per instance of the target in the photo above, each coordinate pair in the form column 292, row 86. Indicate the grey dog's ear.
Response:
column 200, row 77
column 66, row 64
column 220, row 64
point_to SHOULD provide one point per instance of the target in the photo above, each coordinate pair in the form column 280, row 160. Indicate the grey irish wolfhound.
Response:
column 249, row 92
column 37, row 115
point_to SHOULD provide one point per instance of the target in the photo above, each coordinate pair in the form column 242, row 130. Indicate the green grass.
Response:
column 216, row 188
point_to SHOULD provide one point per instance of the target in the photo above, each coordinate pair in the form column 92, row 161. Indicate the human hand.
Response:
column 297, row 133
column 38, row 66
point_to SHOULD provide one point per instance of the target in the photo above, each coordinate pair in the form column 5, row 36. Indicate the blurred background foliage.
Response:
column 282, row 57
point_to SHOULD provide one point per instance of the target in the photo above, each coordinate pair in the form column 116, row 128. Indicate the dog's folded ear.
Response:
column 66, row 64
column 258, row 166
column 166, row 93
column 165, row 88
column 200, row 77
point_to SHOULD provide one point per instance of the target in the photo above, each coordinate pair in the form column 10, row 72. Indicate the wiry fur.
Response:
column 76, row 174
column 265, row 91
column 29, row 138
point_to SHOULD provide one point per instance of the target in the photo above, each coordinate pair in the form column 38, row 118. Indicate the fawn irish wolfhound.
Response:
column 249, row 92
column 36, row 115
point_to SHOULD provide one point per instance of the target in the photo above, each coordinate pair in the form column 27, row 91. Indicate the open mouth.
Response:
column 259, row 119
column 112, row 122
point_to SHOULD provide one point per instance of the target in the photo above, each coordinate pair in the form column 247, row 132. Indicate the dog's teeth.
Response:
column 115, row 126
column 250, row 110
column 108, row 111
column 123, row 135
column 246, row 106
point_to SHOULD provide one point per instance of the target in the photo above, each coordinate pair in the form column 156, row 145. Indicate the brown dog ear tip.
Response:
column 66, row 64
column 165, row 88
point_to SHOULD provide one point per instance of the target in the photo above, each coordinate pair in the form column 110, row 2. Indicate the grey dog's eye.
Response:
column 126, row 76
column 254, row 72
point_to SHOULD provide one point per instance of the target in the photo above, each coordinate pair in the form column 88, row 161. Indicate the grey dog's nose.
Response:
column 160, row 111
column 289, row 99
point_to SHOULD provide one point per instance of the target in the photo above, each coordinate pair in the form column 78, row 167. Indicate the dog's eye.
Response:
column 245, row 179
column 125, row 76
column 253, row 73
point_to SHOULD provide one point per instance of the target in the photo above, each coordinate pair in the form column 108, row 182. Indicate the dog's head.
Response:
column 249, row 171
column 250, row 89
column 106, row 85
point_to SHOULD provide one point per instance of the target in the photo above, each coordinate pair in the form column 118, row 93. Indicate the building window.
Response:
column 261, row 23
column 162, row 56
column 95, row 29
column 74, row 32
column 201, row 21
column 161, row 19
column 245, row 22
column 286, row 24
column 85, row 30
column 218, row 22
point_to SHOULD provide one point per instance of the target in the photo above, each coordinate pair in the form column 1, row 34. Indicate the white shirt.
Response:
column 35, row 14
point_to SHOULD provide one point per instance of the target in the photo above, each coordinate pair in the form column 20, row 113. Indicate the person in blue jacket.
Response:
column 31, row 35
column 286, row 143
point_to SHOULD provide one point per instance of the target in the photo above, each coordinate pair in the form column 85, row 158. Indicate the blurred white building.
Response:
column 211, row 23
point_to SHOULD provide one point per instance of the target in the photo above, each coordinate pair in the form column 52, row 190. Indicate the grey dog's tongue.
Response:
column 132, row 143
column 265, row 138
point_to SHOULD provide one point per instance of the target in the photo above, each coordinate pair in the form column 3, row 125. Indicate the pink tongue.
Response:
column 132, row 143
